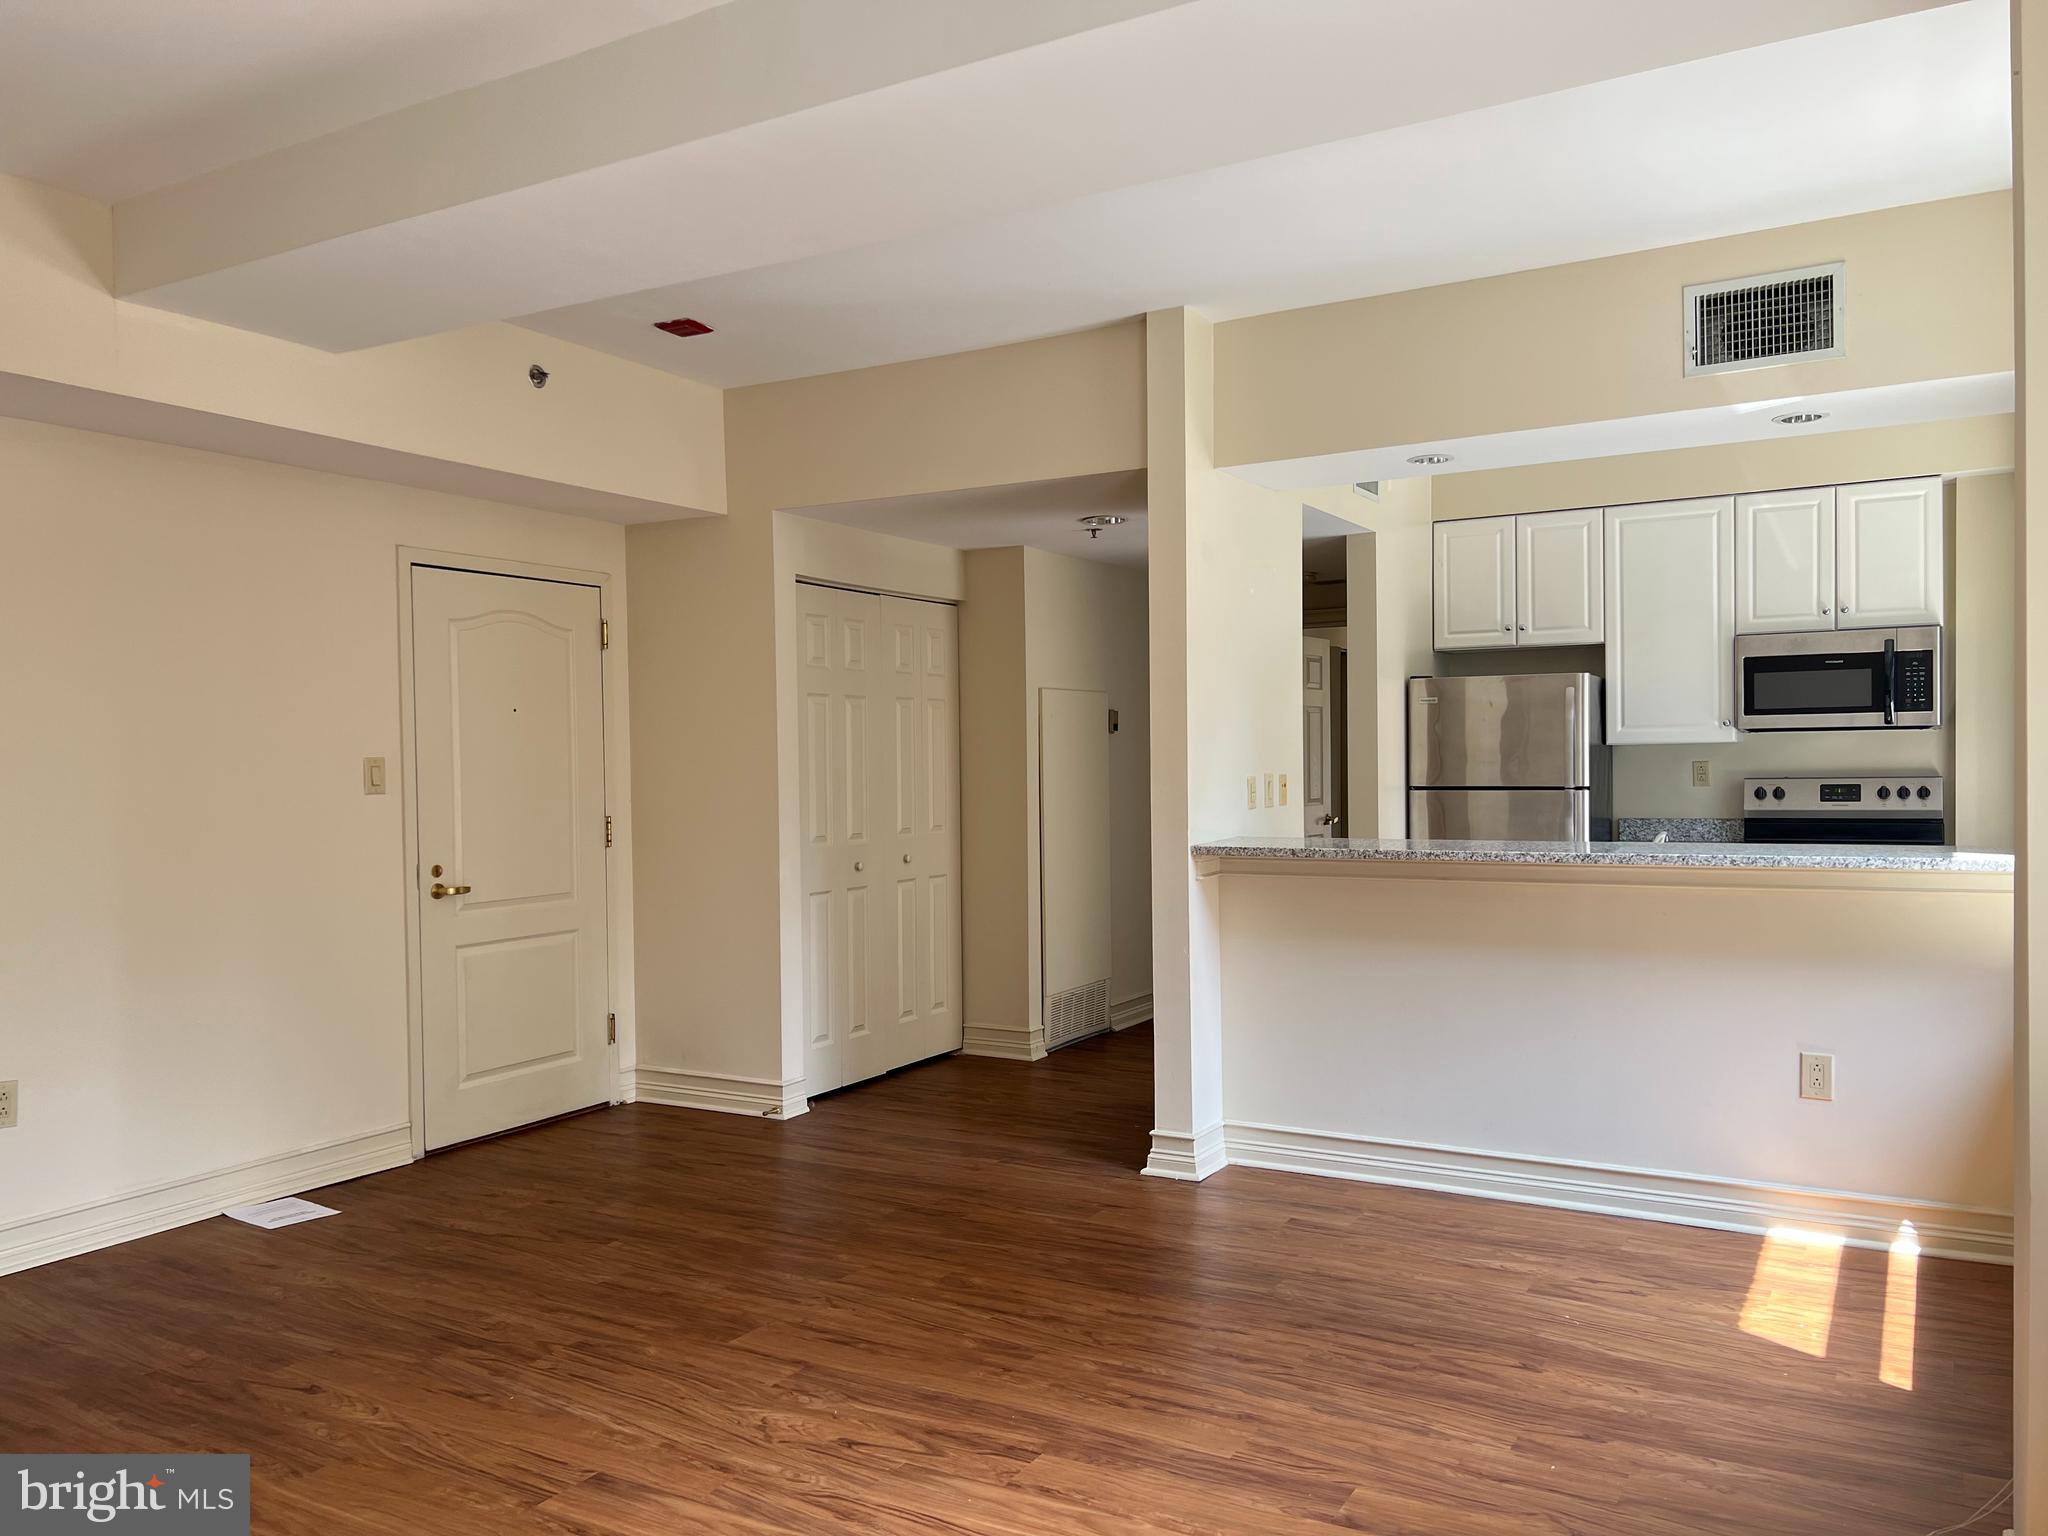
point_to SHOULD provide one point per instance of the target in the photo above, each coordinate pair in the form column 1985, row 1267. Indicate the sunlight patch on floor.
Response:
column 1792, row 1295
column 1901, row 1301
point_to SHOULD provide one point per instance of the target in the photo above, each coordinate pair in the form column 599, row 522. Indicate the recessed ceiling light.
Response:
column 1429, row 458
column 1799, row 418
column 1096, row 524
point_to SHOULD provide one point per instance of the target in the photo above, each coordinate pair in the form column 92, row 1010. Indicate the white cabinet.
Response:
column 1785, row 561
column 1528, row 580
column 1558, row 591
column 1475, row 583
column 1671, row 622
column 1888, row 553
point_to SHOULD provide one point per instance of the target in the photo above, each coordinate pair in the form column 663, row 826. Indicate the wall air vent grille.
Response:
column 1755, row 322
column 1076, row 1013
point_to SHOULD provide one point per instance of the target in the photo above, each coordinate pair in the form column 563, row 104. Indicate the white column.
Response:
column 1225, row 593
column 2030, row 1065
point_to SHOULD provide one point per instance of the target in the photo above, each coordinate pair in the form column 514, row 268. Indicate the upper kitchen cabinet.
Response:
column 1475, row 583
column 1888, row 554
column 1671, row 622
column 1785, row 561
column 1527, row 580
column 1558, row 596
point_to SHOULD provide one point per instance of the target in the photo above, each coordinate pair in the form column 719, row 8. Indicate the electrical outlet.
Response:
column 1816, row 1076
column 1702, row 777
column 1269, row 790
column 1251, row 791
column 10, row 1103
column 1283, row 789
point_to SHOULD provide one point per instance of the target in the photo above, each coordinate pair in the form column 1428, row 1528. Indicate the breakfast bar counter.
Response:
column 1995, row 867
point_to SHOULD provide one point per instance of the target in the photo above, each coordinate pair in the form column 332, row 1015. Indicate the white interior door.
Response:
column 508, row 742
column 879, row 754
column 1318, row 739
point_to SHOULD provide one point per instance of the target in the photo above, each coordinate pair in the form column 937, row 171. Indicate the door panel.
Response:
column 1888, row 553
column 1559, row 598
column 1785, row 561
column 509, row 764
column 879, row 762
column 1318, row 743
column 1671, row 622
column 1474, row 578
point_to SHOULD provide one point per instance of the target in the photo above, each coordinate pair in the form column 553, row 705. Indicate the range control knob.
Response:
column 1884, row 791
column 1904, row 791
column 1924, row 792
column 1761, row 792
column 1777, row 791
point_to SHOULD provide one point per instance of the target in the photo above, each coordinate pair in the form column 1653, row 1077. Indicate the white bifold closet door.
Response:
column 879, row 745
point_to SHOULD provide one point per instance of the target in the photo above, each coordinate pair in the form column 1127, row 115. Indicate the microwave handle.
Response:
column 1891, row 681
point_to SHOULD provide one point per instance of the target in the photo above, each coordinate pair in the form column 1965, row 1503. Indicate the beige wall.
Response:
column 1928, row 297
column 205, row 915
column 1599, row 1018
column 1085, row 628
column 1038, row 410
column 997, row 824
column 602, row 424
column 1035, row 620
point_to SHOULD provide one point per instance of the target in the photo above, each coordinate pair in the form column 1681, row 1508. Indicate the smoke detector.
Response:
column 1103, row 520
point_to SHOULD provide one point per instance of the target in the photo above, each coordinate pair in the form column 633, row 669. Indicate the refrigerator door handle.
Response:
column 1571, row 736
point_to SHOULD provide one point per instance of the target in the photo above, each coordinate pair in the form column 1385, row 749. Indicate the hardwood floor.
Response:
column 945, row 1303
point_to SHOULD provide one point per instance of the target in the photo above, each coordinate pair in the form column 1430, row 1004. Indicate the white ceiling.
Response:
column 113, row 98
column 1899, row 111
column 914, row 176
column 1038, row 514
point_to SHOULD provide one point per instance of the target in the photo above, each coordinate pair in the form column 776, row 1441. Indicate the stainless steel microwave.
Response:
column 1839, row 680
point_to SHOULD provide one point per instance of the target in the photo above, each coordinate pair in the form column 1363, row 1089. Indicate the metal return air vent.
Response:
column 1076, row 1013
column 1754, row 322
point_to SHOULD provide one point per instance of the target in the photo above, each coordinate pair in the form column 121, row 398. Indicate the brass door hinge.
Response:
column 604, row 634
column 607, row 831
column 611, row 1029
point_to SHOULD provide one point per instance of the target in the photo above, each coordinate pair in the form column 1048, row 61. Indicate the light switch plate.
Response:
column 1269, row 790
column 1283, row 789
column 1251, row 791
column 373, row 775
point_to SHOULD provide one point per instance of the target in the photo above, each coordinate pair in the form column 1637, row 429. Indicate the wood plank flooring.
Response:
column 945, row 1303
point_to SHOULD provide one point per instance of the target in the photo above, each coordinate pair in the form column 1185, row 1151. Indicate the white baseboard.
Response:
column 1004, row 1043
column 1694, row 1200
column 1179, row 1156
column 1132, row 1010
column 102, row 1223
column 720, row 1091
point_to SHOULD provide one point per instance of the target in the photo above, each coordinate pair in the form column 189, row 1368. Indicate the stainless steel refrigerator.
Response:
column 1520, row 758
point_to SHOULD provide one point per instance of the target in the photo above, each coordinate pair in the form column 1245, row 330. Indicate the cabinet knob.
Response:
column 1507, row 629
column 1847, row 609
column 1823, row 610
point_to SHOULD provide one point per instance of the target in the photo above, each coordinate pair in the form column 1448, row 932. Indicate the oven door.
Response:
column 1839, row 680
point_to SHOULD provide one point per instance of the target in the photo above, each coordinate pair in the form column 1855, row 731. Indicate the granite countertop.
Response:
column 1637, row 855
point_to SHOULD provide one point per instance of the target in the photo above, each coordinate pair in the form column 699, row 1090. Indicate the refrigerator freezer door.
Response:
column 1538, row 732
column 1504, row 815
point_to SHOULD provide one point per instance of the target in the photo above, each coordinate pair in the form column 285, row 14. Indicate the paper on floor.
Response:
column 279, row 1213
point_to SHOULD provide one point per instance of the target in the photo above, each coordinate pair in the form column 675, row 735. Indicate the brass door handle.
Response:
column 437, row 890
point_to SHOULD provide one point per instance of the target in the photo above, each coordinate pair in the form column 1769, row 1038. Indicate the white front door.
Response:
column 1318, row 739
column 879, row 754
column 508, row 748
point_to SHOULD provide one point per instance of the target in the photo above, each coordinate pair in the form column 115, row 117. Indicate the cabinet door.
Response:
column 1475, row 583
column 1888, row 554
column 1558, row 593
column 1785, row 561
column 1671, row 622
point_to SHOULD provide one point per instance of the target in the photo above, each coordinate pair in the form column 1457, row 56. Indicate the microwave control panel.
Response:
column 1915, row 682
